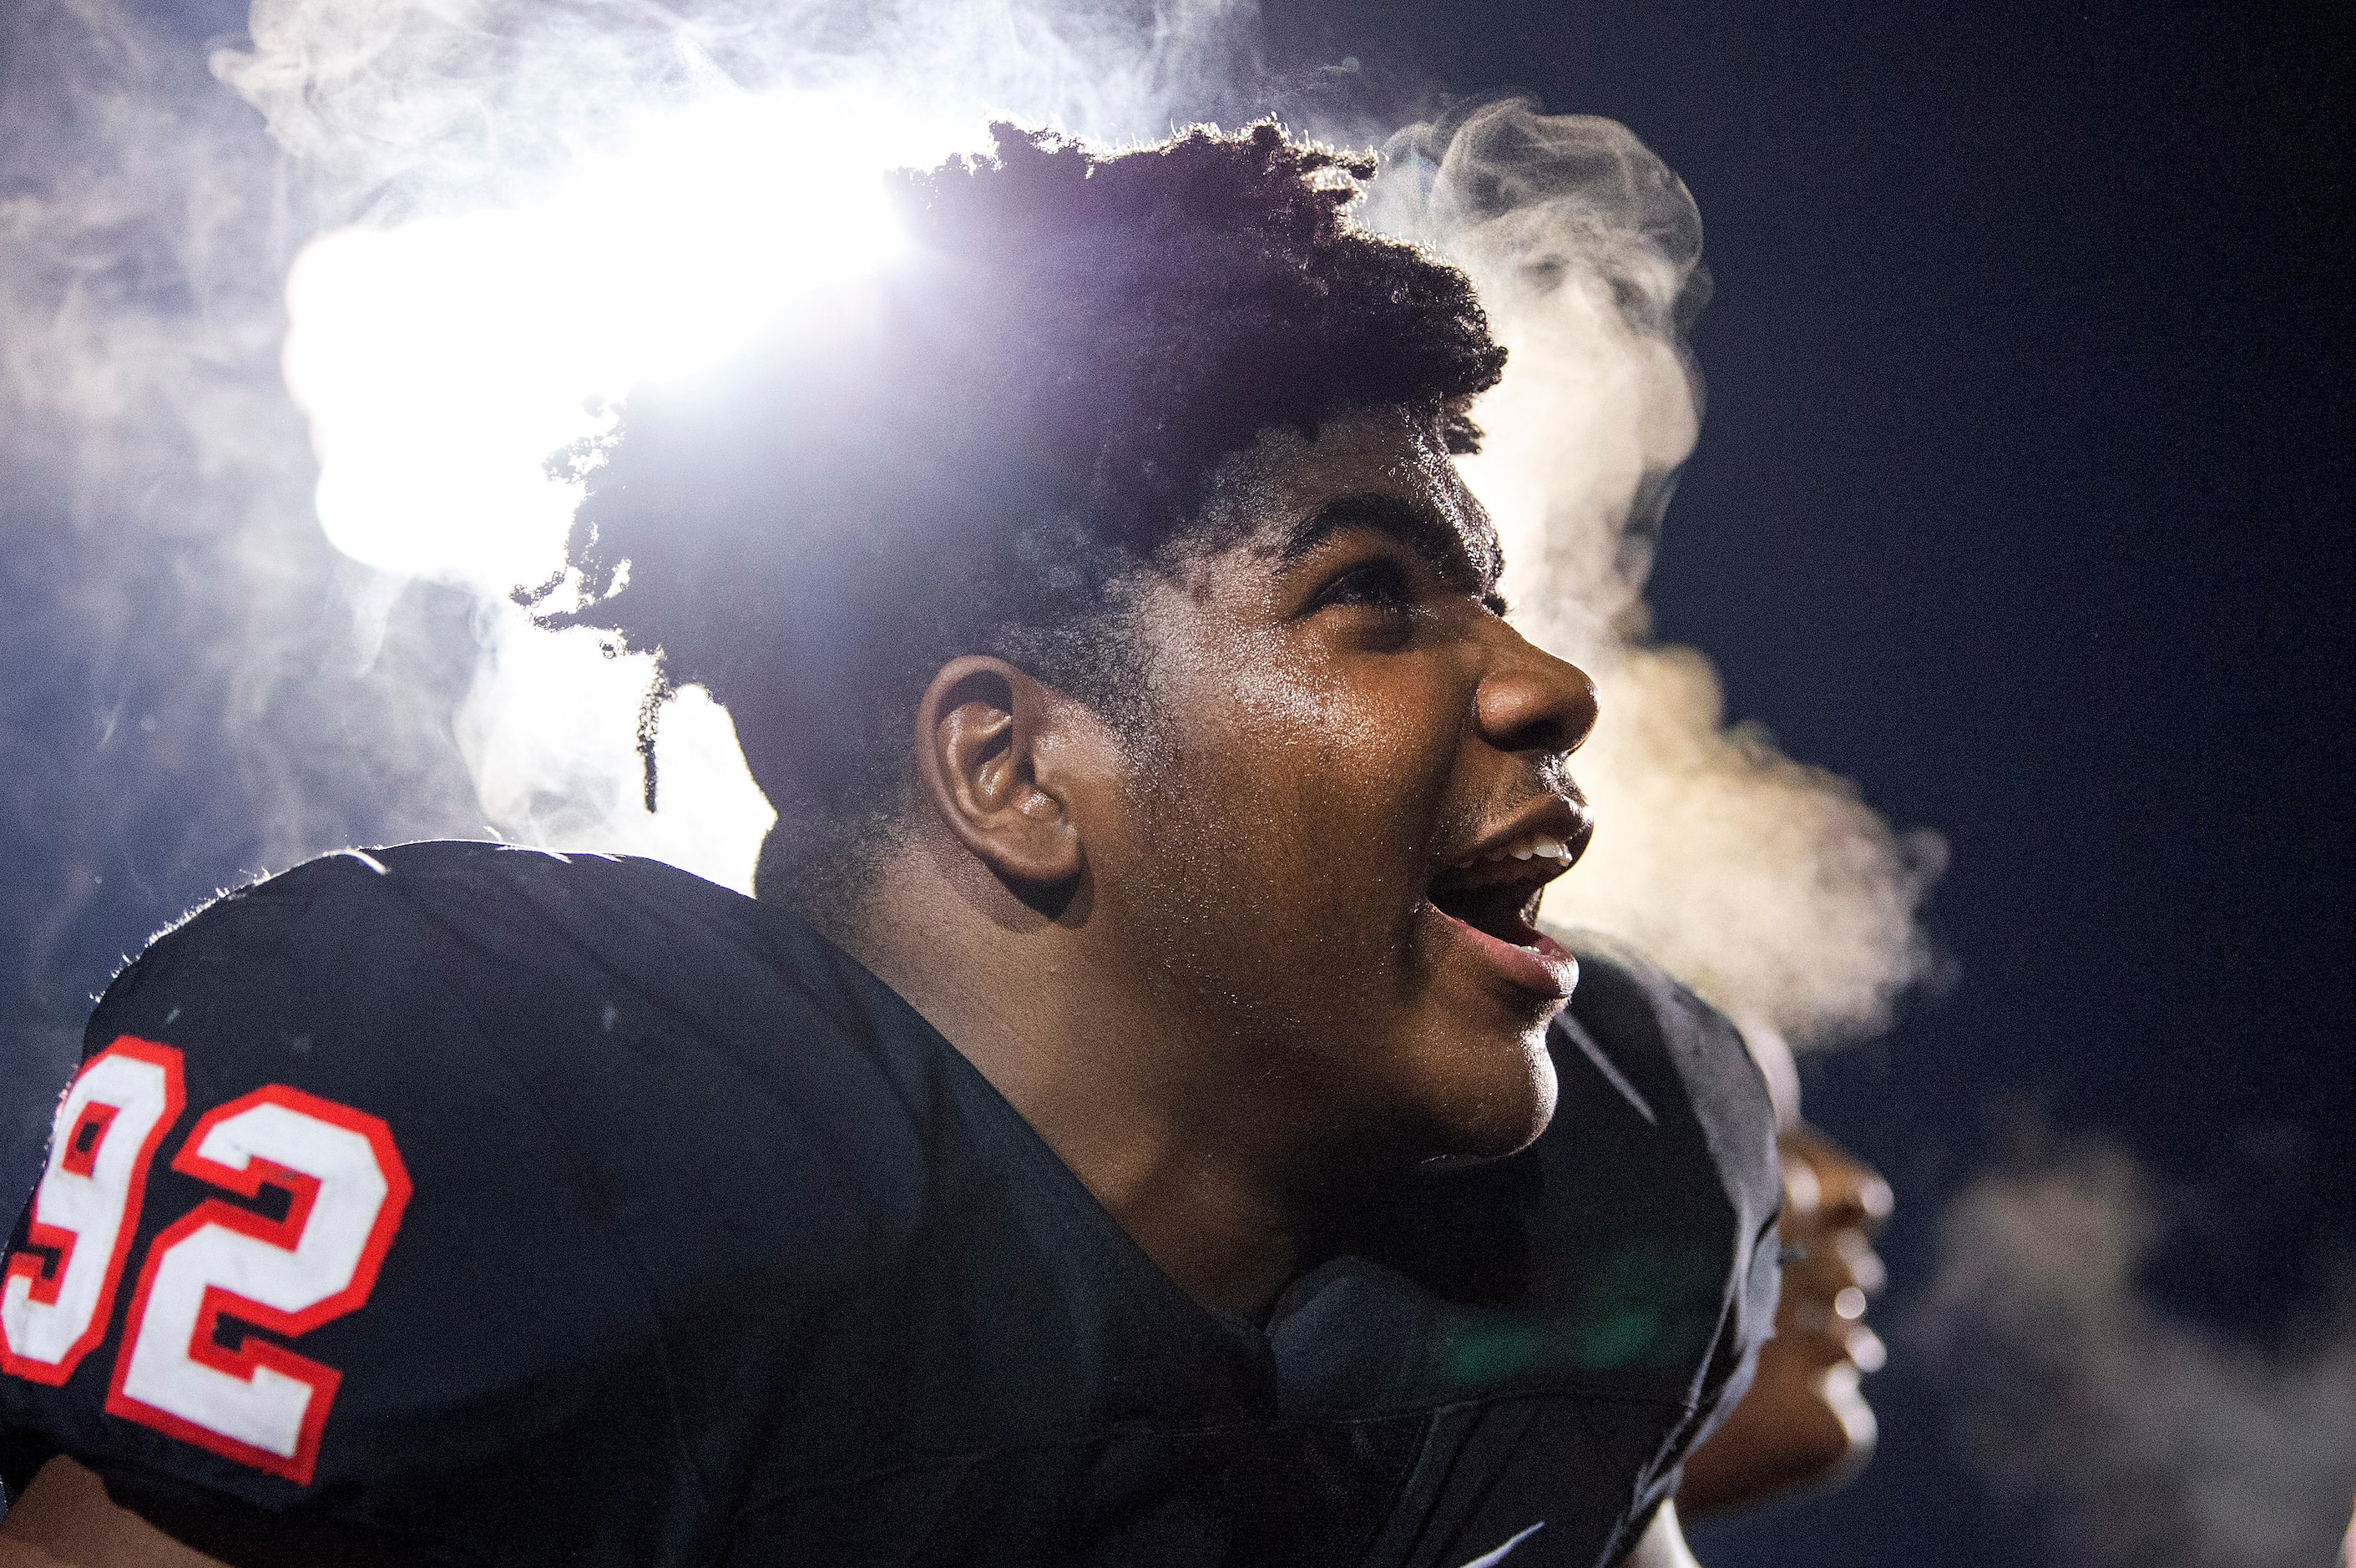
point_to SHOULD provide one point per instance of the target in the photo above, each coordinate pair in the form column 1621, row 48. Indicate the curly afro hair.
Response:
column 1025, row 411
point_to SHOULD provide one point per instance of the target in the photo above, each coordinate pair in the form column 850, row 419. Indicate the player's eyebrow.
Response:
column 1413, row 523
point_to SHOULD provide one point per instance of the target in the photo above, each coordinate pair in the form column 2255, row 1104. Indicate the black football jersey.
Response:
column 462, row 1204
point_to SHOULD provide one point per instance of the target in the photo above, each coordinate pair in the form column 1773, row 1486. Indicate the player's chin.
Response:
column 1812, row 1381
column 1486, row 1092
column 1784, row 1434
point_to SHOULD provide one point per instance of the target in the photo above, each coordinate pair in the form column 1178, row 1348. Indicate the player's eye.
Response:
column 1381, row 583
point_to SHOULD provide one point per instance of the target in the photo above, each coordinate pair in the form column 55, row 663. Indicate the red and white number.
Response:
column 54, row 1309
column 260, row 1405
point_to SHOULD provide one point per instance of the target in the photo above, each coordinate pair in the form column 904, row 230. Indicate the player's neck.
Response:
column 1099, row 1069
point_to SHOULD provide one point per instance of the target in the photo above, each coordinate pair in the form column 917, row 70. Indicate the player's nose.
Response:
column 1531, row 701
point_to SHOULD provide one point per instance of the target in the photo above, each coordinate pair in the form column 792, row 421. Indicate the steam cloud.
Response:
column 197, row 688
column 267, row 627
column 2146, row 1439
column 1766, row 883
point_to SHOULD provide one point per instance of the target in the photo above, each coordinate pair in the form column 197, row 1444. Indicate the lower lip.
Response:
column 1545, row 968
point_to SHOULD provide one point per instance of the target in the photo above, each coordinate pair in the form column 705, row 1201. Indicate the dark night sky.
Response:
column 2022, row 498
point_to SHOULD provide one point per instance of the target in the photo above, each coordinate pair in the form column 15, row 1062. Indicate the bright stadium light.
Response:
column 441, row 362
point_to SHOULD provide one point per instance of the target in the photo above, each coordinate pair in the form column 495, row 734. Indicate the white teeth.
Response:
column 1529, row 846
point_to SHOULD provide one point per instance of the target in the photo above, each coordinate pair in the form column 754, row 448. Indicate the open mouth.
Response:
column 1493, row 897
column 1505, row 911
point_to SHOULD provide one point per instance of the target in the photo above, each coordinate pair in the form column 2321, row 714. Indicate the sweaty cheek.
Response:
column 1341, row 797
column 1268, row 872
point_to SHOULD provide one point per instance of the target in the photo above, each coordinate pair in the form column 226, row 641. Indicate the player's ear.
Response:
column 995, row 750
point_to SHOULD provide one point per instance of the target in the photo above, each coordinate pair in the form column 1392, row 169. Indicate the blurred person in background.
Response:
column 1804, row 1422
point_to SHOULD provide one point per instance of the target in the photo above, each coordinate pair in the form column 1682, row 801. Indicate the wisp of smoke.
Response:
column 197, row 687
column 458, row 230
column 1767, row 884
column 2146, row 1439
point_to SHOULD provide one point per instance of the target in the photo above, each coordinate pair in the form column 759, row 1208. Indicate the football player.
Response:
column 1137, row 1122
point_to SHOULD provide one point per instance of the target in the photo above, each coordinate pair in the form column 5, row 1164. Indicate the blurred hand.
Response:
column 1804, row 1422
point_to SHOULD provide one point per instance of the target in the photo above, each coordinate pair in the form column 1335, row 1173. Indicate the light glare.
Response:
column 442, row 360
